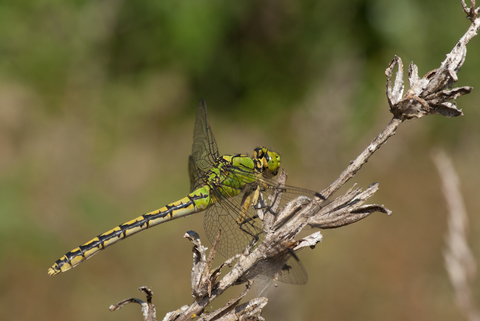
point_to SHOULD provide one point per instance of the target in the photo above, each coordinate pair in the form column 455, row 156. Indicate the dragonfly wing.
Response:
column 287, row 192
column 292, row 271
column 285, row 268
column 204, row 148
column 241, row 225
column 237, row 229
column 195, row 179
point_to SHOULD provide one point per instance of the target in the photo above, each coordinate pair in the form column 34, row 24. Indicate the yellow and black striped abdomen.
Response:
column 195, row 202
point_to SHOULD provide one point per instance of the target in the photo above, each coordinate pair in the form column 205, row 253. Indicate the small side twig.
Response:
column 148, row 309
column 202, row 279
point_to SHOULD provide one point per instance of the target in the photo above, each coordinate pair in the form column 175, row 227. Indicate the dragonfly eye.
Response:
column 270, row 160
column 273, row 161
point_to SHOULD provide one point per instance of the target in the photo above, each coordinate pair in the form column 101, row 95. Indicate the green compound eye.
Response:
column 273, row 160
column 270, row 160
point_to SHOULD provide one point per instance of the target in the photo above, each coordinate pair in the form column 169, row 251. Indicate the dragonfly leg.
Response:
column 244, row 220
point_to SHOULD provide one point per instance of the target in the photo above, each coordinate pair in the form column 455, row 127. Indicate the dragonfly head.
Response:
column 270, row 160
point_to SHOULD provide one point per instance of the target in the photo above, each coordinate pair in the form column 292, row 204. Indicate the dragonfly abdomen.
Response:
column 195, row 202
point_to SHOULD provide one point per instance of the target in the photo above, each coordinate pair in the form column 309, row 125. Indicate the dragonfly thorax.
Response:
column 270, row 160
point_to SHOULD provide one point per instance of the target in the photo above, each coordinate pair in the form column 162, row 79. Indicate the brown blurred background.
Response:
column 97, row 106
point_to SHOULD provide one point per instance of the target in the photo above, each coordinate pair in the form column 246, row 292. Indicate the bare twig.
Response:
column 148, row 309
column 202, row 279
column 426, row 96
column 459, row 261
column 274, row 256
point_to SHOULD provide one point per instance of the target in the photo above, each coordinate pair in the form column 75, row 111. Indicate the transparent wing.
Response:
column 285, row 268
column 239, row 223
column 288, row 192
column 204, row 148
column 195, row 179
column 238, row 229
column 290, row 271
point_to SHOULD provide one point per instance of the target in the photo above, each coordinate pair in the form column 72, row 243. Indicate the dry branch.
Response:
column 430, row 95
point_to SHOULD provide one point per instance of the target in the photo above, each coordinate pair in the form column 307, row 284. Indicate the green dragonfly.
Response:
column 229, row 188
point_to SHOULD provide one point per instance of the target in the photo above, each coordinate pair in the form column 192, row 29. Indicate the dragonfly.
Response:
column 228, row 188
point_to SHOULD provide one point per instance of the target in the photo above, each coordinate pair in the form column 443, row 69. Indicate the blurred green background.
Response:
column 97, row 106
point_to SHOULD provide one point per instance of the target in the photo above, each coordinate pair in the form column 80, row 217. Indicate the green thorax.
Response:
column 232, row 173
